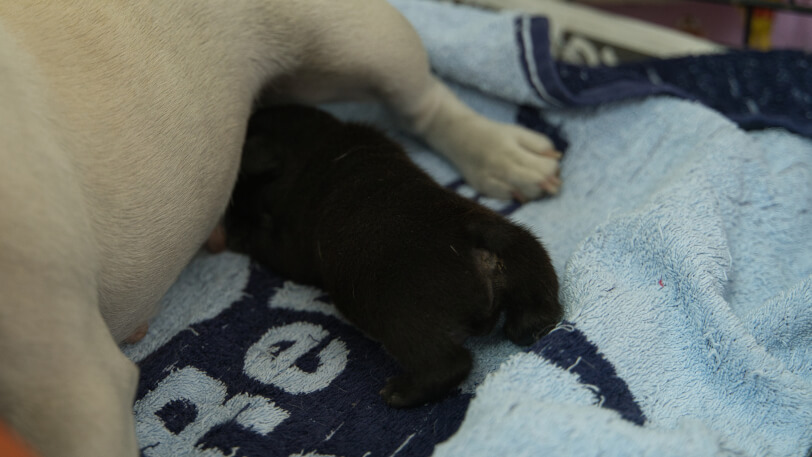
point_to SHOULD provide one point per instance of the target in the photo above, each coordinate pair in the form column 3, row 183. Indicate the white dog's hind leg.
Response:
column 64, row 384
column 375, row 52
column 499, row 160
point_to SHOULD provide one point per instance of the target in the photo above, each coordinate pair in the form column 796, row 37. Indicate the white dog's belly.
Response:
column 151, row 218
column 154, row 134
column 156, row 160
column 156, row 199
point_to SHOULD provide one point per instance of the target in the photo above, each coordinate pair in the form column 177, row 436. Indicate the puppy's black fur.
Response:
column 413, row 265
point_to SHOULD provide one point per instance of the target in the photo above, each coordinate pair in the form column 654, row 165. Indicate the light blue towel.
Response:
column 694, row 289
column 688, row 253
column 684, row 248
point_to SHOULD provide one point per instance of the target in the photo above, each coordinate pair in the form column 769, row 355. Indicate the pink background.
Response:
column 721, row 23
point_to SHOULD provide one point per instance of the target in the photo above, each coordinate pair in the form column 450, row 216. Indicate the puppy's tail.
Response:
column 528, row 289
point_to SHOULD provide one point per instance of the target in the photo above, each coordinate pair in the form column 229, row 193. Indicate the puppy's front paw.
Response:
column 504, row 161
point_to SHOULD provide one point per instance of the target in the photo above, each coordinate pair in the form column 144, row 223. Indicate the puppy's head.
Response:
column 280, row 142
column 280, row 136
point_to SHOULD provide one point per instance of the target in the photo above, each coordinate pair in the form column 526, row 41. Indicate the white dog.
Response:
column 121, row 126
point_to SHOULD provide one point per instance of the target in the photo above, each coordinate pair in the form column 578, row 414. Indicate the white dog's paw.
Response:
column 505, row 161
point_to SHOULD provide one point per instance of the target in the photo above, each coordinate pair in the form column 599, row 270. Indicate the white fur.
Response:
column 121, row 125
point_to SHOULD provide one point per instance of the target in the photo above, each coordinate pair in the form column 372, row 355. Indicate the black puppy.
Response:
column 412, row 264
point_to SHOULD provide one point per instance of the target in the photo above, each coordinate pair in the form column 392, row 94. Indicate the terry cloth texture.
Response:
column 684, row 248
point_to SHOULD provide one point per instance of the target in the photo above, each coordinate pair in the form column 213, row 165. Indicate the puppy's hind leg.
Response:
column 433, row 365
column 528, row 292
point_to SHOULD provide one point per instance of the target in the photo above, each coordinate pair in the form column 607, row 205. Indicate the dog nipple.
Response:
column 138, row 334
